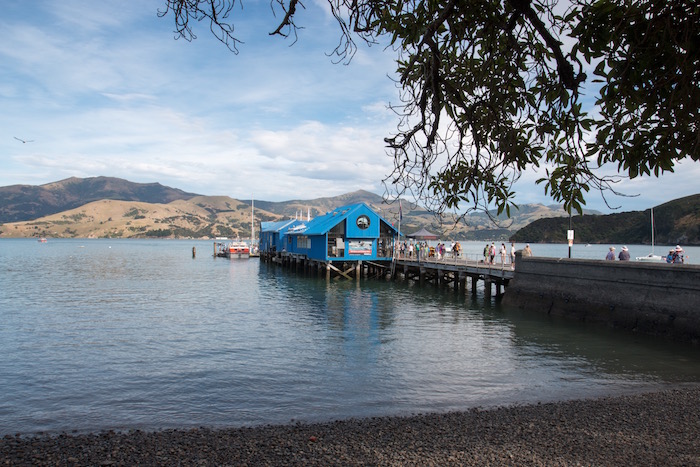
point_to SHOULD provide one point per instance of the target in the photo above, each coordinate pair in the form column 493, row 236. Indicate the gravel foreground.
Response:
column 654, row 429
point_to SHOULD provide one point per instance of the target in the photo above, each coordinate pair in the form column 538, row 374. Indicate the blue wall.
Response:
column 360, row 238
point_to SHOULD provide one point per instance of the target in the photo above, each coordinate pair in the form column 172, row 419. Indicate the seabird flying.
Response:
column 24, row 141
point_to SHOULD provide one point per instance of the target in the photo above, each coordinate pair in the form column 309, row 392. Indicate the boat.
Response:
column 238, row 250
column 234, row 249
column 254, row 248
column 651, row 257
column 42, row 240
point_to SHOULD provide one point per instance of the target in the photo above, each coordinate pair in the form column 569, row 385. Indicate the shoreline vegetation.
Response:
column 653, row 428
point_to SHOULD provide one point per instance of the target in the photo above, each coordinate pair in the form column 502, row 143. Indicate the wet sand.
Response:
column 660, row 428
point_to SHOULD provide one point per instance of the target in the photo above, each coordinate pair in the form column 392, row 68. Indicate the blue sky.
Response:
column 102, row 88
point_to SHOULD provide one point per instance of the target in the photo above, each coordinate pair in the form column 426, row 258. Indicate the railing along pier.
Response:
column 454, row 271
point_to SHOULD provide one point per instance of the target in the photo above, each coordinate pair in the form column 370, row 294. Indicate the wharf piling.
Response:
column 454, row 272
column 446, row 272
column 352, row 270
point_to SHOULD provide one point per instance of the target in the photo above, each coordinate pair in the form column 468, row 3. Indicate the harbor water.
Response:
column 139, row 334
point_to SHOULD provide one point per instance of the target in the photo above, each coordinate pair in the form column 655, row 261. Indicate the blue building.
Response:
column 349, row 233
column 273, row 235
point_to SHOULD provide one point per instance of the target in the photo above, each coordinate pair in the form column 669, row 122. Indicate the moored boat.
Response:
column 651, row 257
column 238, row 250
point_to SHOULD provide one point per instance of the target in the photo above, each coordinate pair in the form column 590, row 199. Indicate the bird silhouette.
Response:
column 24, row 141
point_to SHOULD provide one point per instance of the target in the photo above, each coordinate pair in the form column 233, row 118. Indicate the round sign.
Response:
column 362, row 222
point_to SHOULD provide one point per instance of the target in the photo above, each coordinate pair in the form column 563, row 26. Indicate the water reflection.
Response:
column 137, row 334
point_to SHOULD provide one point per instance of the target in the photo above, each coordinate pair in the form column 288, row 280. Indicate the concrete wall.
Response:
column 657, row 299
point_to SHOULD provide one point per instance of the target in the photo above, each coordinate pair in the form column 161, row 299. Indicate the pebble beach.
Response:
column 658, row 428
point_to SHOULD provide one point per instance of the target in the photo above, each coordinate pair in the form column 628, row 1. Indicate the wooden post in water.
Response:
column 194, row 251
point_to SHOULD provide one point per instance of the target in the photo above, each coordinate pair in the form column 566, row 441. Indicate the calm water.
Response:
column 120, row 334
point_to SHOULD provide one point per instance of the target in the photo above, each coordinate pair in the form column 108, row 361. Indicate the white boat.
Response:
column 238, row 250
column 651, row 257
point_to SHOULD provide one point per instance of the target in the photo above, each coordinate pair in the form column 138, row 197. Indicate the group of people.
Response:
column 506, row 257
column 623, row 256
column 675, row 255
column 422, row 250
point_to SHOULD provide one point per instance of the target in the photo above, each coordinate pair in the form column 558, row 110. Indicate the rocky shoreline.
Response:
column 659, row 428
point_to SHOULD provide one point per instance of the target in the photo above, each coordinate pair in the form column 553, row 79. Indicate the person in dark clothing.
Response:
column 624, row 254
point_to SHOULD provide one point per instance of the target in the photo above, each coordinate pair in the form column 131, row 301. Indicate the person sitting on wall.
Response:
column 671, row 255
column 624, row 254
column 527, row 251
column 611, row 254
column 679, row 256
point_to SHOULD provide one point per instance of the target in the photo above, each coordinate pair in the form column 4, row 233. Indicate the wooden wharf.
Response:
column 450, row 271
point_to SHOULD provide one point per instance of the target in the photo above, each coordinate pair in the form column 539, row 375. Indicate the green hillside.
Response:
column 676, row 222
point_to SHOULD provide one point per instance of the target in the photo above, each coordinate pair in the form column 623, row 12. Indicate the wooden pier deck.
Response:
column 450, row 271
column 454, row 272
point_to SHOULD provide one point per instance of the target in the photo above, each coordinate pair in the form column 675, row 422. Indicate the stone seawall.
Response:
column 657, row 299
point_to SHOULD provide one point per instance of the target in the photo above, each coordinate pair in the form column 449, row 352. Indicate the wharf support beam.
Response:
column 344, row 269
column 656, row 299
column 454, row 273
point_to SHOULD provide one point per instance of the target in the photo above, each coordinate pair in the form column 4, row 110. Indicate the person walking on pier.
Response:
column 486, row 253
column 504, row 254
column 492, row 253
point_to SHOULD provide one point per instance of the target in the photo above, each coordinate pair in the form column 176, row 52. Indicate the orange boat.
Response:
column 238, row 250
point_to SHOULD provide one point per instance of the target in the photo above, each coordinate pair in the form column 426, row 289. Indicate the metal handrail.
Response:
column 461, row 260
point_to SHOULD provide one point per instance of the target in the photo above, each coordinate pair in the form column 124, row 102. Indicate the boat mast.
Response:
column 252, row 221
column 652, row 231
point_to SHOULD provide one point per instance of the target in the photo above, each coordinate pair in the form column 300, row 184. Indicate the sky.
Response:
column 102, row 88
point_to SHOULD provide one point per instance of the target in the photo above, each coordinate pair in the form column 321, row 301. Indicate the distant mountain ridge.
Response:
column 676, row 222
column 27, row 202
column 112, row 207
column 319, row 206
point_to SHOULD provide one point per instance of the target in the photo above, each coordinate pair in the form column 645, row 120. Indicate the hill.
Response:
column 676, row 222
column 320, row 206
column 112, row 207
column 27, row 202
column 198, row 217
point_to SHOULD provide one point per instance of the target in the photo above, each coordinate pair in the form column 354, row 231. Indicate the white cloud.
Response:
column 105, row 90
